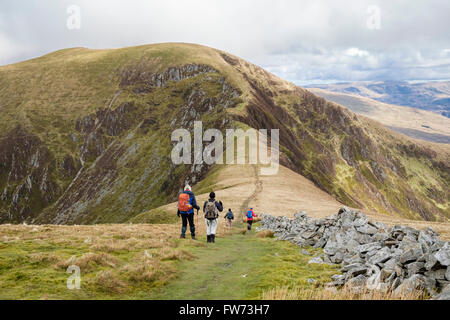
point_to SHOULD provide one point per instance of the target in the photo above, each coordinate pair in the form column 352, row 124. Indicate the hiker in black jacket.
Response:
column 211, row 208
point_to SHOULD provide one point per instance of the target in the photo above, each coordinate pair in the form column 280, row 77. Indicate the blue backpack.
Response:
column 249, row 214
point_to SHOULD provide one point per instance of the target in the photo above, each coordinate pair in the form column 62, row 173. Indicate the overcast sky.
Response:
column 302, row 41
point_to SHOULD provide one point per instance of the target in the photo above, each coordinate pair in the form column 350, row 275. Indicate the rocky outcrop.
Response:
column 98, row 129
column 144, row 81
column 125, row 150
column 371, row 254
column 26, row 182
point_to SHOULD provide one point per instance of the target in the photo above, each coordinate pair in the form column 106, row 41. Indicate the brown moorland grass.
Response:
column 122, row 261
column 346, row 293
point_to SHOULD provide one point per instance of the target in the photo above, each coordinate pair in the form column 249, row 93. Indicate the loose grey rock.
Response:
column 415, row 267
column 317, row 260
column 360, row 222
column 430, row 261
column 398, row 258
column 436, row 274
column 367, row 229
column 416, row 282
column 443, row 255
column 381, row 256
column 358, row 281
column 444, row 295
column 368, row 247
column 351, row 266
column 411, row 253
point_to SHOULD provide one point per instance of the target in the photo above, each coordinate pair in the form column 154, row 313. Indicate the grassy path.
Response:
column 242, row 266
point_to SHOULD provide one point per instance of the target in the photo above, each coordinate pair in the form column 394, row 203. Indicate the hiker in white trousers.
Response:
column 211, row 227
column 211, row 208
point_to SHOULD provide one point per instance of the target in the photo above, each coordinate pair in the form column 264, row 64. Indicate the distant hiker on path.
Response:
column 186, row 206
column 211, row 208
column 230, row 217
column 250, row 216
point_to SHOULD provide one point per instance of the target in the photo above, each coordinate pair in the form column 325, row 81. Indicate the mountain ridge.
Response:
column 96, row 124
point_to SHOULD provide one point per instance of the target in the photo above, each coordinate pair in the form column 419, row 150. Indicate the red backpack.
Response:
column 184, row 204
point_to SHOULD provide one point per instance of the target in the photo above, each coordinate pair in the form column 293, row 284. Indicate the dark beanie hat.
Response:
column 212, row 195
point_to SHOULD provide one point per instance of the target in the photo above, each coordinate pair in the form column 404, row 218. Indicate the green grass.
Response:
column 242, row 266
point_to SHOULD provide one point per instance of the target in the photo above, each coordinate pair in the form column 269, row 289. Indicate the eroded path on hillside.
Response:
column 258, row 189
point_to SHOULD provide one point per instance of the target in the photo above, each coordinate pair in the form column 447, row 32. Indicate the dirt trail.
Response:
column 258, row 189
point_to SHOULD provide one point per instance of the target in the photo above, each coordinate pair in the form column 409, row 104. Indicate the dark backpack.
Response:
column 210, row 210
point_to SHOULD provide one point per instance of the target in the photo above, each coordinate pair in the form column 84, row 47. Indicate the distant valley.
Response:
column 415, row 123
column 432, row 96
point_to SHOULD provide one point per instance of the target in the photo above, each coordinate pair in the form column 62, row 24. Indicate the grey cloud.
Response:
column 302, row 41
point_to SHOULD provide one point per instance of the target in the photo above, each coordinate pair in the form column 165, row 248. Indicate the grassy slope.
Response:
column 357, row 182
column 71, row 84
column 48, row 94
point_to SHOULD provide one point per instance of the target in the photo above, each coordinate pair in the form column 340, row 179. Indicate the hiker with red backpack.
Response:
column 250, row 216
column 186, row 206
column 211, row 208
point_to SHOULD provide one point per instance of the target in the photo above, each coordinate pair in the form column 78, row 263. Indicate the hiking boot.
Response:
column 208, row 238
column 213, row 238
column 193, row 237
column 182, row 236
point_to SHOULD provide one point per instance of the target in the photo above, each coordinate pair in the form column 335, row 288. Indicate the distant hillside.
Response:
column 85, row 136
column 418, row 124
column 433, row 96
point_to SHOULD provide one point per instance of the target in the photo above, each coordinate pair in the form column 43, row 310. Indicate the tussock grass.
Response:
column 177, row 254
column 109, row 282
column 346, row 293
column 265, row 234
column 88, row 261
column 115, row 261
